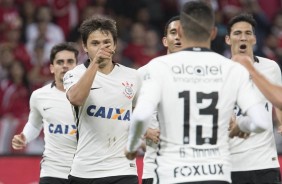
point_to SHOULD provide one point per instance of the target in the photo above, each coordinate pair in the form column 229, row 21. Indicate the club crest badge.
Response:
column 128, row 90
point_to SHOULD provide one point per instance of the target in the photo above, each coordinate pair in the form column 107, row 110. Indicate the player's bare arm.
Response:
column 271, row 91
column 78, row 93
column 234, row 130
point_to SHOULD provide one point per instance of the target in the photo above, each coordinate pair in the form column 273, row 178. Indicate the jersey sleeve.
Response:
column 143, row 73
column 152, row 83
column 139, row 84
column 35, row 117
column 70, row 78
column 34, row 124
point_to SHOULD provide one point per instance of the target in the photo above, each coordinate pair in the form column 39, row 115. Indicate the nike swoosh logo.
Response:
column 46, row 108
column 96, row 88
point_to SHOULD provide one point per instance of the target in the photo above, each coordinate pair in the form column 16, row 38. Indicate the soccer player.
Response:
column 50, row 110
column 194, row 91
column 103, row 94
column 254, row 160
column 171, row 41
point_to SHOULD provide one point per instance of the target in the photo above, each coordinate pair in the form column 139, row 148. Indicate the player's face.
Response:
column 94, row 42
column 63, row 62
column 241, row 38
column 172, row 40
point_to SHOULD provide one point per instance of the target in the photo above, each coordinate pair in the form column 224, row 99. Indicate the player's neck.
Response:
column 250, row 54
column 107, row 69
column 60, row 86
column 190, row 44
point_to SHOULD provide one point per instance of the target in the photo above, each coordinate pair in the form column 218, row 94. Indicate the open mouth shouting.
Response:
column 243, row 48
column 177, row 44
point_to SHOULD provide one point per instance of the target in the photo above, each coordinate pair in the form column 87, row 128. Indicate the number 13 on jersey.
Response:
column 210, row 110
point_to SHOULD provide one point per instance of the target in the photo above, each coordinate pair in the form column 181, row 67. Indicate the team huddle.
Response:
column 204, row 118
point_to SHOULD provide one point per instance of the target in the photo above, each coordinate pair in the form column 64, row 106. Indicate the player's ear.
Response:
column 213, row 33
column 84, row 48
column 51, row 67
column 227, row 39
column 164, row 40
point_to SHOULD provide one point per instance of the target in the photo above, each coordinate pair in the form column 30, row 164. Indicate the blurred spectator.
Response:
column 218, row 44
column 270, row 46
column 12, row 37
column 43, row 30
column 263, row 23
column 8, row 14
column 14, row 109
column 88, row 11
column 65, row 14
column 270, row 7
column 152, row 48
column 40, row 72
column 277, row 26
column 118, row 57
column 27, row 13
column 6, row 60
column 142, row 16
column 135, row 46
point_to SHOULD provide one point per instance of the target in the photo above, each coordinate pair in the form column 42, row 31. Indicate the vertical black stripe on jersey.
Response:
column 156, row 162
column 76, row 109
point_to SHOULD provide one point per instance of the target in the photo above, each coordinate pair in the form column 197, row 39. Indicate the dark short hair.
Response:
column 98, row 22
column 244, row 17
column 175, row 18
column 69, row 46
column 197, row 20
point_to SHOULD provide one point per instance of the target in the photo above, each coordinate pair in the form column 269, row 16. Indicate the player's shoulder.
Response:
column 43, row 91
column 76, row 71
column 266, row 61
column 126, row 69
column 78, row 68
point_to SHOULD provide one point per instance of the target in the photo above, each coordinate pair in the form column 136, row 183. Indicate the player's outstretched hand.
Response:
column 19, row 141
column 130, row 155
column 234, row 130
column 153, row 134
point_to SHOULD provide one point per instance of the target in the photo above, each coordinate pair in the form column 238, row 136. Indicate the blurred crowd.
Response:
column 30, row 28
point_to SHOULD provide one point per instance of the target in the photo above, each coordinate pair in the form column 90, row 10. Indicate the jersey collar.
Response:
column 256, row 59
column 53, row 84
column 87, row 62
column 198, row 49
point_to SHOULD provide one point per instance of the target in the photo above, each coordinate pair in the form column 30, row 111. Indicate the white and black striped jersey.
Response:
column 50, row 107
column 195, row 91
column 103, row 122
column 258, row 151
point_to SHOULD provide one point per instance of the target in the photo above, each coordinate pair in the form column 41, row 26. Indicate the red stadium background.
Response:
column 25, row 169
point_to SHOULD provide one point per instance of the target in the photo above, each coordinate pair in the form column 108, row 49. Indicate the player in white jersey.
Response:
column 254, row 160
column 171, row 41
column 103, row 94
column 194, row 91
column 272, row 92
column 50, row 110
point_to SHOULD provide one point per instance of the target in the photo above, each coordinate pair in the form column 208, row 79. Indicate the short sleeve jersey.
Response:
column 258, row 151
column 103, row 122
column 195, row 91
column 49, row 106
